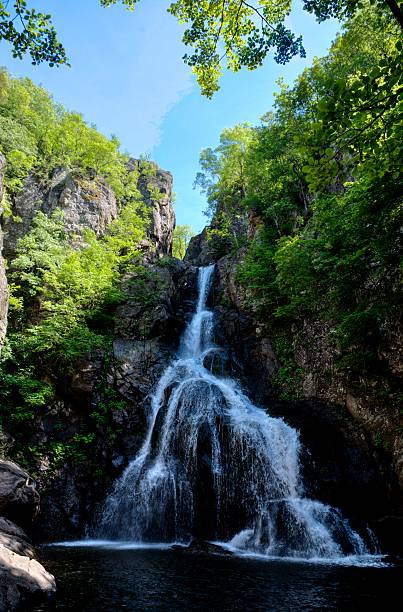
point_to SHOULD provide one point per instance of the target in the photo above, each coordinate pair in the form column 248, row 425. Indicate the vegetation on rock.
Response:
column 181, row 238
column 321, row 181
column 64, row 287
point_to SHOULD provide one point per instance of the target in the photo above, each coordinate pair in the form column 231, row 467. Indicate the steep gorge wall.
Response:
column 103, row 402
column 353, row 438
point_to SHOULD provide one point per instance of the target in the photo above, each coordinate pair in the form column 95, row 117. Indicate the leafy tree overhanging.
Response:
column 219, row 33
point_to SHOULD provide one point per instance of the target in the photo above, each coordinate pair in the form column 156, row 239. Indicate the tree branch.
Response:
column 397, row 13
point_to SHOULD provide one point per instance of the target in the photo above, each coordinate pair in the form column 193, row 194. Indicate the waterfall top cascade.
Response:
column 215, row 466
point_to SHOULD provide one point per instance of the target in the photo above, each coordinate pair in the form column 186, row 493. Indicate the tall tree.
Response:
column 181, row 239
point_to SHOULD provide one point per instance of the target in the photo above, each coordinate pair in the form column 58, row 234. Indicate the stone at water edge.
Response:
column 22, row 578
column 19, row 499
column 198, row 546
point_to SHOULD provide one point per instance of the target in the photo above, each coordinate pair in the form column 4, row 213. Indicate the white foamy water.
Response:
column 211, row 456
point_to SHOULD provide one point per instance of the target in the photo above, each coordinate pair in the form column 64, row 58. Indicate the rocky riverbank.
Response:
column 22, row 577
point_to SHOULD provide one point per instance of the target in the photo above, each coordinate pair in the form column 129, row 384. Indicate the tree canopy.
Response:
column 181, row 238
column 320, row 181
column 219, row 33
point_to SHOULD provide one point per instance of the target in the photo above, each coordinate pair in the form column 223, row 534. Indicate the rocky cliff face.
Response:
column 87, row 202
column 340, row 423
column 3, row 278
column 109, row 394
column 156, row 189
column 103, row 402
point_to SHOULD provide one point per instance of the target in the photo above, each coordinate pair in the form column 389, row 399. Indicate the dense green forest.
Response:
column 63, row 290
column 173, row 404
column 321, row 179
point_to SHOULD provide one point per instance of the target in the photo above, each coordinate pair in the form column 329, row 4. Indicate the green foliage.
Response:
column 321, row 182
column 237, row 32
column 38, row 135
column 62, row 306
column 40, row 252
column 223, row 235
column 30, row 32
column 288, row 375
column 181, row 238
column 241, row 33
column 222, row 178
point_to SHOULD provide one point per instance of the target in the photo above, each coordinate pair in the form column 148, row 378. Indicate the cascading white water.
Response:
column 214, row 465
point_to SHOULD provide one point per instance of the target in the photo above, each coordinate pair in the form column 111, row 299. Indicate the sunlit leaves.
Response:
column 235, row 34
column 30, row 32
column 181, row 238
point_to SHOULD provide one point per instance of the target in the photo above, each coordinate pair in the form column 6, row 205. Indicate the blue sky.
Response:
column 128, row 78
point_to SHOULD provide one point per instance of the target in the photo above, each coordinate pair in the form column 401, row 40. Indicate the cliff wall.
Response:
column 352, row 433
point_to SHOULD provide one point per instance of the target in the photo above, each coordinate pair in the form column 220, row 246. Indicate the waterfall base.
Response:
column 214, row 466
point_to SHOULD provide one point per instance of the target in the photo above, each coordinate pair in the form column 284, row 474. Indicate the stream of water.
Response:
column 215, row 466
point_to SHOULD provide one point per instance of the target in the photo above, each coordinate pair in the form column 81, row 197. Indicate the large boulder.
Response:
column 22, row 578
column 19, row 499
column 86, row 201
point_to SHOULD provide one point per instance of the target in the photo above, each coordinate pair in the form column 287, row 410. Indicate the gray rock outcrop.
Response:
column 156, row 188
column 86, row 201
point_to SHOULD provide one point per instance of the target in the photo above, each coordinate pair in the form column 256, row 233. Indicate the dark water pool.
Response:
column 97, row 579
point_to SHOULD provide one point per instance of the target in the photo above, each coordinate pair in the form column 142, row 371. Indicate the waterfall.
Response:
column 214, row 465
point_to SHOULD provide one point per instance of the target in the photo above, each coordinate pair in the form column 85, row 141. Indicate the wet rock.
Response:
column 202, row 547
